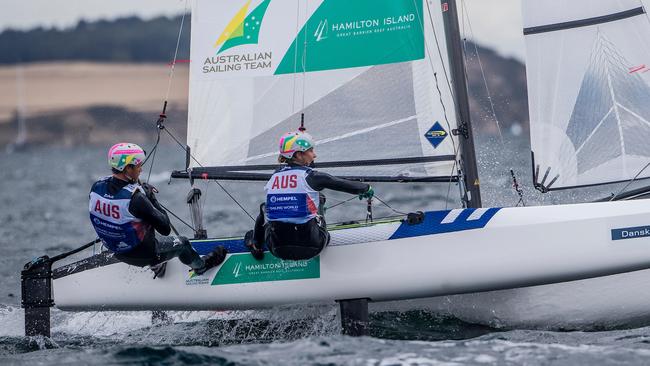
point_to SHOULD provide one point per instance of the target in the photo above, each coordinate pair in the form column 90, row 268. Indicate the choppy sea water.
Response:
column 43, row 203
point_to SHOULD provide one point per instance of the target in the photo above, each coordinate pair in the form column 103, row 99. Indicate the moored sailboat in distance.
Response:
column 393, row 97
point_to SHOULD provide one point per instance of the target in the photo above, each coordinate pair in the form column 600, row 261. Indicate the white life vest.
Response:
column 119, row 230
column 289, row 198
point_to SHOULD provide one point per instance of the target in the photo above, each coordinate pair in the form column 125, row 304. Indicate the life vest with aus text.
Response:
column 289, row 198
column 118, row 229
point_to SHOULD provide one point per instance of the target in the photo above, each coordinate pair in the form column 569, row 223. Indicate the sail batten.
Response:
column 584, row 22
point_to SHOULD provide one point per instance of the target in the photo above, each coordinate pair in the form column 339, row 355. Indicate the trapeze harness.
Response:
column 294, row 230
column 118, row 229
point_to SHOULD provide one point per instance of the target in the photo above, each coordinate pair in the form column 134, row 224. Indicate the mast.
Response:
column 459, row 85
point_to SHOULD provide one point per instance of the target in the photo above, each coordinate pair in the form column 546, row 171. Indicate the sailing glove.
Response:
column 369, row 193
column 150, row 191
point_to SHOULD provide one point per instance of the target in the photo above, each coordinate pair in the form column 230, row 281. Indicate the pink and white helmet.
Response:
column 291, row 142
column 123, row 154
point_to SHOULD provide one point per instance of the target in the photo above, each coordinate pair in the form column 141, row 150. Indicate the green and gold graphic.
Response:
column 342, row 34
column 242, row 29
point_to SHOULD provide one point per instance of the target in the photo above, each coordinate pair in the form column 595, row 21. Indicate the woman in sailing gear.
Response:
column 126, row 216
column 290, row 222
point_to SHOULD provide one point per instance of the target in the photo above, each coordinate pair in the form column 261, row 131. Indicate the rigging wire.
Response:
column 153, row 156
column 340, row 203
column 375, row 197
column 630, row 182
column 177, row 218
column 295, row 59
column 304, row 62
column 216, row 181
column 466, row 17
column 178, row 42
column 389, row 206
column 442, row 103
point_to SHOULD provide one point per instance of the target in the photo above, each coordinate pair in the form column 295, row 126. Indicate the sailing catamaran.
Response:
column 384, row 81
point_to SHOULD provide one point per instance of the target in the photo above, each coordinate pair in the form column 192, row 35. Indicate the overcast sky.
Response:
column 496, row 23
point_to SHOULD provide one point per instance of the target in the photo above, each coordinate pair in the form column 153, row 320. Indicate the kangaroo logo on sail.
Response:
column 243, row 28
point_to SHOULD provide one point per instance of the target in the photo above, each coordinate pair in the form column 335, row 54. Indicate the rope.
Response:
column 216, row 181
column 341, row 203
column 153, row 156
column 520, row 192
column 389, row 206
column 178, row 218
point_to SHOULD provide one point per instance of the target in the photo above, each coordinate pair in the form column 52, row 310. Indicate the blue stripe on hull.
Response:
column 432, row 224
column 232, row 245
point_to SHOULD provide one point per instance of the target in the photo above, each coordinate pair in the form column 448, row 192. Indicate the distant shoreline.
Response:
column 87, row 103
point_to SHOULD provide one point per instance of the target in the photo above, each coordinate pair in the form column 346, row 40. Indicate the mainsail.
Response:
column 364, row 74
column 588, row 90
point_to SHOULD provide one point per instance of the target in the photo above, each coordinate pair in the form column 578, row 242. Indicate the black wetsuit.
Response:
column 152, row 251
column 303, row 241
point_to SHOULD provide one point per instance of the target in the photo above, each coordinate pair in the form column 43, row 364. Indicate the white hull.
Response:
column 516, row 247
column 607, row 302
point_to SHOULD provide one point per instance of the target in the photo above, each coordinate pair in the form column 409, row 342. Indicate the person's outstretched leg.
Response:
column 188, row 256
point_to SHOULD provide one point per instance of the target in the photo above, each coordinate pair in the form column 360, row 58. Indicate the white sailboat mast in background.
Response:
column 21, row 111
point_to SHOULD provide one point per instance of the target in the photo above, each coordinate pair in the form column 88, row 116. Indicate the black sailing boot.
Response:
column 256, row 251
column 215, row 258
column 159, row 270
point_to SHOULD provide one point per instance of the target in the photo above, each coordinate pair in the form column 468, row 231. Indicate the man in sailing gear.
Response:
column 126, row 216
column 291, row 223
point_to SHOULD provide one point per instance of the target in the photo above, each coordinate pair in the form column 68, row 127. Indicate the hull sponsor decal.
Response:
column 343, row 34
column 243, row 268
column 630, row 232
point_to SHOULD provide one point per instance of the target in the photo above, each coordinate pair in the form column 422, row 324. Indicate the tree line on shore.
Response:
column 128, row 39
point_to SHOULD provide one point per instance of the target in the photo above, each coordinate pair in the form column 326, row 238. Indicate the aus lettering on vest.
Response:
column 107, row 209
column 285, row 181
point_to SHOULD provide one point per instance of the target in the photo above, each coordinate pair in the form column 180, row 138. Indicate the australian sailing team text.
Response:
column 250, row 61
